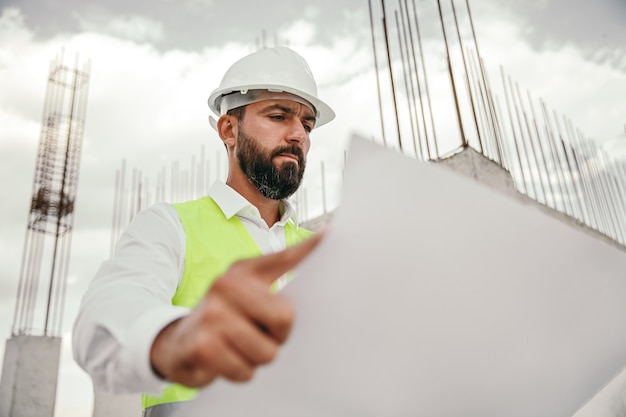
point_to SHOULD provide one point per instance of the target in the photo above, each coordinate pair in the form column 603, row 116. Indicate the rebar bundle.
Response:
column 44, row 267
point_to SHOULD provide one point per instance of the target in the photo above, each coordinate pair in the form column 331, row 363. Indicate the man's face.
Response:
column 275, row 179
column 274, row 159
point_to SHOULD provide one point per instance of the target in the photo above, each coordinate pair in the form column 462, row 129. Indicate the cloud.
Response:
column 554, row 24
column 12, row 31
column 130, row 27
column 299, row 33
column 197, row 5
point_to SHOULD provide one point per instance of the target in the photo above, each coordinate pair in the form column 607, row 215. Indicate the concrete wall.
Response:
column 29, row 376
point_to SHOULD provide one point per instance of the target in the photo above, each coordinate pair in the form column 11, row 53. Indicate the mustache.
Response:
column 290, row 150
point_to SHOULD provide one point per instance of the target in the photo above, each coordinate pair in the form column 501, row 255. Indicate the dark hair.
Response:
column 238, row 112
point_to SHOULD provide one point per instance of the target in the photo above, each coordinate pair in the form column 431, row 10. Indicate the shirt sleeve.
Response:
column 128, row 302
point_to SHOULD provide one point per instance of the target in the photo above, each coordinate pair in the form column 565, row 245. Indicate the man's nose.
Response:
column 297, row 133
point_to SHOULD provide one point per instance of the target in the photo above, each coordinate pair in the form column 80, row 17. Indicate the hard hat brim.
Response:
column 324, row 112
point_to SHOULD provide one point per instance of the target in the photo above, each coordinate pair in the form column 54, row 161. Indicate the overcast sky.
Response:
column 155, row 62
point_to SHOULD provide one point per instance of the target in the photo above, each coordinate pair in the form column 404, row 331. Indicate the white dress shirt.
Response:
column 128, row 301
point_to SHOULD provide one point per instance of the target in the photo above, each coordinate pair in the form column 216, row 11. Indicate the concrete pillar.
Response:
column 29, row 376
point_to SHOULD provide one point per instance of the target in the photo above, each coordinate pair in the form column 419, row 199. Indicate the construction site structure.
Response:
column 548, row 159
column 32, row 355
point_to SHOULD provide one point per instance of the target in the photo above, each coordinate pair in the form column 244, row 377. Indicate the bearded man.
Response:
column 186, row 297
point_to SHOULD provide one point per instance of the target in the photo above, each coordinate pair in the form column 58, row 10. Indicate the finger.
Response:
column 221, row 359
column 253, row 344
column 195, row 377
column 269, row 267
column 250, row 298
column 233, row 366
column 273, row 313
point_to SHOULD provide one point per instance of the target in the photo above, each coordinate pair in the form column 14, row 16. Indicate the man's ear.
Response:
column 227, row 128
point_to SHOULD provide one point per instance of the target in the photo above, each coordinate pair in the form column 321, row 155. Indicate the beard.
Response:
column 257, row 162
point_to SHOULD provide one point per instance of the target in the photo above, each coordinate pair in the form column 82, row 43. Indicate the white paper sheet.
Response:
column 433, row 295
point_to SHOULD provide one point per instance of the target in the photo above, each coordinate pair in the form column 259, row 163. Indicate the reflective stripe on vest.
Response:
column 213, row 243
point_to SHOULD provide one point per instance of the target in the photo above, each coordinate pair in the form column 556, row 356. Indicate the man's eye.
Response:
column 277, row 117
column 308, row 128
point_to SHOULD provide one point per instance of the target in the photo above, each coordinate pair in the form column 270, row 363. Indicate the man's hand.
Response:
column 237, row 326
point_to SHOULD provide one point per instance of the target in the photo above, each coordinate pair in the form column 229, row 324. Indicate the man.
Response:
column 156, row 318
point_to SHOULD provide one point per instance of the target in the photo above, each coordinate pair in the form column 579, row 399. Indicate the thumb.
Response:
column 269, row 267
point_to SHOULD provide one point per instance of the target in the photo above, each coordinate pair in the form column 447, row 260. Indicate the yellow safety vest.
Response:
column 213, row 243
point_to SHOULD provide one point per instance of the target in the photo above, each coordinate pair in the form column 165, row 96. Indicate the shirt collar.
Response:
column 234, row 204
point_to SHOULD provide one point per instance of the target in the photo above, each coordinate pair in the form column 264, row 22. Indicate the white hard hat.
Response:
column 277, row 69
